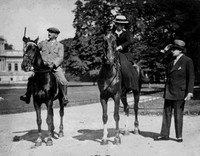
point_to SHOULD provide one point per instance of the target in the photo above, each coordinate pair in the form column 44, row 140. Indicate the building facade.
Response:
column 10, row 65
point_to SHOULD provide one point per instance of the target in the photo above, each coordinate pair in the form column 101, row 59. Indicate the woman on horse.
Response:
column 124, row 39
column 52, row 53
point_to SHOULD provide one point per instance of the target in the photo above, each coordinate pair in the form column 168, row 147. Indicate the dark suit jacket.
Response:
column 125, row 39
column 180, row 79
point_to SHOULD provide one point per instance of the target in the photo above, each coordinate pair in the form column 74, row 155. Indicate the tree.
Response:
column 90, row 22
column 157, row 22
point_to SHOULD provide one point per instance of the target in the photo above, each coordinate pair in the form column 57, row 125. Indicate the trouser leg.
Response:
column 167, row 115
column 178, row 117
column 60, row 76
column 64, row 89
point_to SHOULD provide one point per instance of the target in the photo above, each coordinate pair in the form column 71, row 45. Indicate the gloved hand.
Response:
column 52, row 66
column 189, row 96
column 166, row 48
column 119, row 48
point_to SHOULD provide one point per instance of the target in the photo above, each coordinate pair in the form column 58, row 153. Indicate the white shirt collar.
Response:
column 119, row 32
column 179, row 56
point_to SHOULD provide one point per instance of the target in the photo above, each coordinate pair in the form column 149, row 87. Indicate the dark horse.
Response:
column 111, row 86
column 45, row 89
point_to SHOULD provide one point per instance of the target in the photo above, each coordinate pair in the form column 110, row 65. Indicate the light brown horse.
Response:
column 110, row 85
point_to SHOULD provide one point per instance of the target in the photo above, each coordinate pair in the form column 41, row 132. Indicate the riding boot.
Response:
column 64, row 91
column 27, row 96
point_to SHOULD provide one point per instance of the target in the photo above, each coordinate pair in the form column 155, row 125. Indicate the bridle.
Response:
column 115, row 62
column 111, row 47
column 32, row 59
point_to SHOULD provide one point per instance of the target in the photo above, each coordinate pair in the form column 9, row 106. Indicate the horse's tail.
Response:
column 142, row 76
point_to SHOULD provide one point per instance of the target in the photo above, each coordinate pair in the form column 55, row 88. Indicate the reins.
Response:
column 41, row 70
column 38, row 69
column 117, row 69
column 115, row 64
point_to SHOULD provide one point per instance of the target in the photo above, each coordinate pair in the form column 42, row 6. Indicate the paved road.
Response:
column 83, row 132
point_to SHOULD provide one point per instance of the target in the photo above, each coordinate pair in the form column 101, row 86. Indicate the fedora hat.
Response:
column 120, row 19
column 53, row 30
column 178, row 44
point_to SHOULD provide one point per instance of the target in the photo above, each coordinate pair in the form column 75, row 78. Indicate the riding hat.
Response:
column 53, row 30
column 178, row 44
column 120, row 19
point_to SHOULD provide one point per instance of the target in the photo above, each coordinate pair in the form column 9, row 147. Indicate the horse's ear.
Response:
column 36, row 40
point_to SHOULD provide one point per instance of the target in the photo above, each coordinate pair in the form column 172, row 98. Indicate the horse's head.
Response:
column 30, row 51
column 110, row 48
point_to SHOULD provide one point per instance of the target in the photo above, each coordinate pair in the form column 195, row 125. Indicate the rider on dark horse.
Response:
column 52, row 53
column 123, row 40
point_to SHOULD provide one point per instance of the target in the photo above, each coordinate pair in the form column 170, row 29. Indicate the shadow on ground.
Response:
column 147, row 134
column 32, row 135
column 93, row 135
column 96, row 135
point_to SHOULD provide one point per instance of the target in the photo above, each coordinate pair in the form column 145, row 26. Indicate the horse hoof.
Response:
column 52, row 133
column 117, row 140
column 38, row 143
column 104, row 142
column 61, row 134
column 136, row 131
column 126, row 133
column 49, row 142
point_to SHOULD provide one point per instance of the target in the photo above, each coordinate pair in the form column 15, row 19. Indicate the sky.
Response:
column 37, row 16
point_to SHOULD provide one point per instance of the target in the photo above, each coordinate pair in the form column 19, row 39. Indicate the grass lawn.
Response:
column 80, row 94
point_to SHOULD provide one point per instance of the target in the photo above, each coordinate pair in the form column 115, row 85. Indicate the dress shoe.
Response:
column 179, row 140
column 25, row 99
column 160, row 138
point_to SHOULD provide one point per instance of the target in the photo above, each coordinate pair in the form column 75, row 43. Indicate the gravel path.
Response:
column 83, row 132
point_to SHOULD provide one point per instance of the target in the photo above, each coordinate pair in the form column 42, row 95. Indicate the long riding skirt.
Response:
column 129, row 74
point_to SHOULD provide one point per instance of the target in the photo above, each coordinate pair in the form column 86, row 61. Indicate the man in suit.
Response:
column 178, row 89
column 52, row 53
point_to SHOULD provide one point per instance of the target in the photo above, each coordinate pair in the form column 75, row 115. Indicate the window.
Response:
column 9, row 67
column 16, row 67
